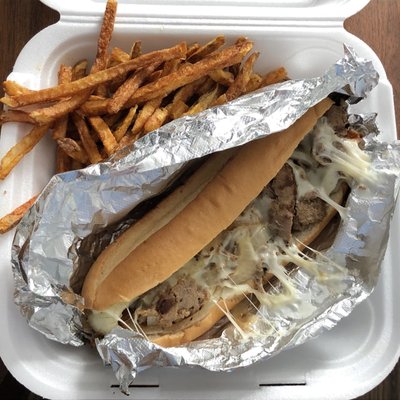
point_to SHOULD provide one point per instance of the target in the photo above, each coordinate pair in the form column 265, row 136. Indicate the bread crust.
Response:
column 222, row 199
column 213, row 314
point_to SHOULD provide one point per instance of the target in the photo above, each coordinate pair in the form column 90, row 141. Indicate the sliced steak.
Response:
column 309, row 211
column 174, row 303
column 283, row 194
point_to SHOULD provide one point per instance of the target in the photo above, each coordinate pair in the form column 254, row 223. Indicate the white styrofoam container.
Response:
column 305, row 36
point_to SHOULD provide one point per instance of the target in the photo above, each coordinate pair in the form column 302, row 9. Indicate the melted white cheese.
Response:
column 227, row 266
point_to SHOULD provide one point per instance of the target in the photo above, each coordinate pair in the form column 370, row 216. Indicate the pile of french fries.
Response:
column 94, row 112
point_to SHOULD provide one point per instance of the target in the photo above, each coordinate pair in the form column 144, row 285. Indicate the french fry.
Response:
column 15, row 116
column 239, row 85
column 106, row 30
column 123, row 128
column 152, row 105
column 171, row 66
column 187, row 91
column 220, row 100
column 221, row 76
column 192, row 49
column 127, row 140
column 155, row 75
column 156, row 120
column 12, row 88
column 119, row 56
column 207, row 49
column 60, row 126
column 254, row 83
column 87, row 141
column 63, row 161
column 178, row 108
column 136, row 49
column 104, row 39
column 275, row 76
column 205, row 87
column 105, row 134
column 64, row 74
column 95, row 79
column 47, row 115
column 126, row 90
column 112, row 119
column 188, row 73
column 73, row 149
column 94, row 107
column 79, row 70
column 19, row 150
column 145, row 113
column 204, row 101
column 11, row 220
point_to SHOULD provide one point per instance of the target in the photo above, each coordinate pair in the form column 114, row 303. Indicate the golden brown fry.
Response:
column 60, row 126
column 105, row 134
column 12, row 88
column 79, row 70
column 126, row 90
column 171, row 66
column 207, row 49
column 111, row 119
column 241, row 39
column 178, row 108
column 104, row 39
column 11, row 220
column 275, row 76
column 96, row 97
column 188, row 73
column 205, row 87
column 48, row 115
column 187, row 91
column 221, row 76
column 136, row 49
column 239, row 85
column 64, row 74
column 149, row 107
column 94, row 107
column 192, row 49
column 158, row 119
column 63, row 161
column 15, row 116
column 19, row 150
column 122, row 129
column 145, row 113
column 101, row 90
column 119, row 56
column 73, row 149
column 220, row 100
column 127, row 140
column 204, row 101
column 95, row 79
column 155, row 75
column 87, row 142
column 254, row 83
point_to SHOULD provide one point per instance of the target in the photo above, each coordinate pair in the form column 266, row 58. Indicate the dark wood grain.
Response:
column 378, row 25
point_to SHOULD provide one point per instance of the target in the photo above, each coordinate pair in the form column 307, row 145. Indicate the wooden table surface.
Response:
column 378, row 25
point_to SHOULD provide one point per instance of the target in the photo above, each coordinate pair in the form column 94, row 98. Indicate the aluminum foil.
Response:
column 80, row 212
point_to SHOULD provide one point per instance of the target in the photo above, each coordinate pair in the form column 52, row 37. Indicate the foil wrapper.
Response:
column 79, row 213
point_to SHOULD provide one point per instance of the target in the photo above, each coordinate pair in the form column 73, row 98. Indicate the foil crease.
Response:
column 69, row 224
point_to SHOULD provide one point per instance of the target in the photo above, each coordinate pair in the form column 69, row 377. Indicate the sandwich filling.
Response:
column 261, row 241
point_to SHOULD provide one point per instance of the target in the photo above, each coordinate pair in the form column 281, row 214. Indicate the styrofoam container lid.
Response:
column 305, row 36
column 239, row 10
